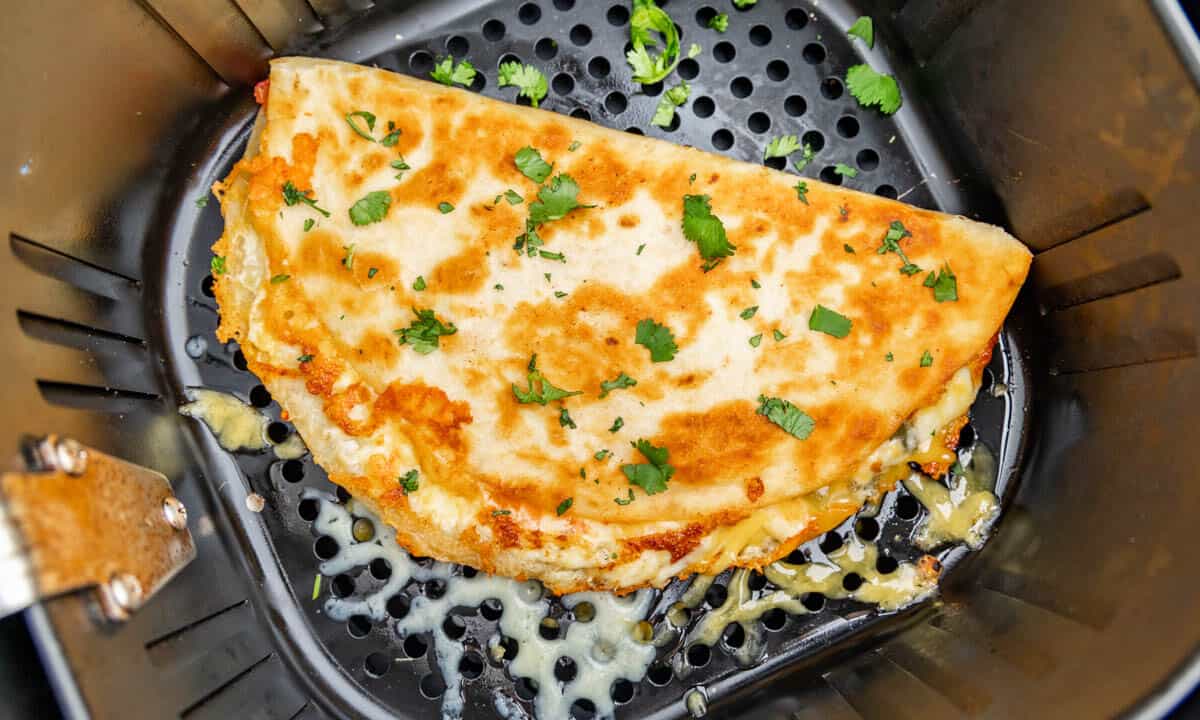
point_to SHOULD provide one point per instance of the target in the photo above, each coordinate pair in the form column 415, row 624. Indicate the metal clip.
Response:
column 78, row 518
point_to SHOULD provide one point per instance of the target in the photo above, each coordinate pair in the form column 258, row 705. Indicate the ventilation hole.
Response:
column 830, row 543
column 759, row 122
column 260, row 397
column 866, row 528
column 491, row 609
column 471, row 665
column 527, row 688
column 635, row 130
column 987, row 381
column 584, row 612
column 563, row 84
column 966, row 436
column 380, row 569
column 581, row 114
column 813, row 139
column 398, row 606
column 239, row 361
column 415, row 646
column 309, row 508
column 545, row 49
column 420, row 62
column 432, row 686
column 760, row 35
column 724, row 52
column 508, row 648
column 886, row 564
column 622, row 691
column 581, row 35
column 688, row 69
column 292, row 471
column 652, row 89
column 886, row 191
column 617, row 15
column 599, row 67
column 775, row 163
column 376, row 665
column 615, row 103
column 454, row 627
column 325, row 547
column 343, row 495
column 564, row 669
column 830, row 175
column 699, row 655
column 206, row 285
column 342, row 586
column 741, row 87
column 796, row 19
column 722, row 139
column 508, row 58
column 716, row 595
column 468, row 571
column 907, row 506
column 813, row 601
column 583, row 709
column 831, row 88
column 734, row 636
column 703, row 106
column 548, row 629
column 778, row 70
column 774, row 619
column 493, row 30
column 659, row 674
column 795, row 105
column 277, row 432
column 813, row 53
column 458, row 46
column 564, row 5
column 757, row 581
column 529, row 13
column 797, row 557
column 852, row 582
column 434, row 589
column 358, row 626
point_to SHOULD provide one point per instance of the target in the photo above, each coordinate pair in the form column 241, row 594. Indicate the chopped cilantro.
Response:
column 848, row 248
column 497, row 286
column 802, row 191
column 293, row 196
column 217, row 265
column 202, row 201
column 625, row 500
column 602, row 455
column 864, row 30
column 743, row 4
column 843, row 210
column 756, row 340
column 498, row 513
column 368, row 118
column 647, row 18
column 555, row 200
column 872, row 88
column 617, row 424
column 926, row 359
column 575, row 145
column 754, row 284
column 620, row 381
column 781, row 147
column 445, row 207
column 845, row 170
column 778, row 335
column 640, row 249
column 513, row 197
column 275, row 280
column 719, row 22
column 829, row 322
column 564, row 419
column 447, row 73
column 806, row 156
column 657, row 339
column 419, row 283
column 889, row 357
column 401, row 166
column 651, row 476
column 671, row 99
column 424, row 333
column 308, row 224
column 372, row 272
column 944, row 284
column 559, row 294
column 316, row 586
column 694, row 50
column 528, row 79
column 348, row 258
column 706, row 230
column 529, row 161
column 564, row 506
column 392, row 137
column 371, row 208
column 793, row 420
column 891, row 243
column 540, row 390
column 691, row 178
column 409, row 481
column 305, row 358
column 748, row 312
column 552, row 255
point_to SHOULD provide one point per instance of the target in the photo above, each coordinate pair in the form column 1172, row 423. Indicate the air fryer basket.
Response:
column 1075, row 125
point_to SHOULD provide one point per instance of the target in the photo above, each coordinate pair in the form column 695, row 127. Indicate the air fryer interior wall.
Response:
column 1074, row 124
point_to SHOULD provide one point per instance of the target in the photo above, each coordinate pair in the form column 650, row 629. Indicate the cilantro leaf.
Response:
column 743, row 4
column 945, row 285
column 372, row 272
column 863, row 29
column 409, row 481
column 845, row 170
column 447, row 73
column 829, row 322
column 872, row 88
column 756, row 340
column 654, row 475
column 531, row 82
column 555, row 200
column 308, row 224
column 305, row 358
column 793, row 420
column 513, row 197
column 926, row 359
column 657, row 339
column 748, row 312
column 617, row 424
column 802, row 191
column 575, row 145
column 671, row 99
column 848, row 248
column 401, row 166
column 371, row 208
column 564, row 506
column 445, row 207
column 419, row 283
column 891, row 243
column 693, row 50
column 619, row 501
column 889, row 357
column 620, row 381
column 564, row 419
column 781, row 147
column 529, row 161
column 202, row 202
column 276, row 279
column 602, row 455
column 538, row 389
column 423, row 334
column 348, row 258
column 778, row 335
column 217, row 265
column 705, row 229
column 806, row 157
column 368, row 118
column 646, row 20
column 719, row 22
column 392, row 137
column 293, row 196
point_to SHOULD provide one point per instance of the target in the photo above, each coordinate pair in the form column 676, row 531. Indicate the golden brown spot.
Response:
column 419, row 403
column 754, row 489
column 730, row 436
column 677, row 542
column 628, row 221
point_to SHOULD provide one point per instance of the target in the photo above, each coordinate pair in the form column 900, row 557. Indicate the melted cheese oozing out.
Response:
column 237, row 426
column 964, row 511
column 603, row 649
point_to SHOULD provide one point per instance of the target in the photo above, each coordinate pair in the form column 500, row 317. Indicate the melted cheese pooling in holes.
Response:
column 237, row 426
column 603, row 649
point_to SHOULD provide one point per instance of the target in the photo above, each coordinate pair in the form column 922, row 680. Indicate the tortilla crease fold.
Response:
column 367, row 199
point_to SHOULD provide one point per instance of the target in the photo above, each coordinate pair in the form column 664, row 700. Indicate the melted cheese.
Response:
column 237, row 426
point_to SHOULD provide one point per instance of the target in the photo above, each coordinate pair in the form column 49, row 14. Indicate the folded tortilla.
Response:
column 774, row 429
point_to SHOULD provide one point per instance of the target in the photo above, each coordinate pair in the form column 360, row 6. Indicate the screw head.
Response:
column 70, row 456
column 175, row 512
column 125, row 591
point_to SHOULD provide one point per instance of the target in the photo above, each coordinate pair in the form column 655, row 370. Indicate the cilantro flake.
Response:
column 625, row 500
column 575, row 145
column 528, row 79
column 423, row 334
column 748, row 312
column 871, row 88
column 802, row 191
column 657, row 339
column 409, row 481
column 513, row 197
column 372, row 272
column 529, row 161
column 889, row 357
column 368, row 118
column 793, row 420
column 217, row 265
column 926, row 359
column 305, row 358
column 419, row 283
column 275, row 280
column 806, row 156
column 447, row 73
column 293, row 196
column 848, row 248
column 646, row 20
column 705, row 229
column 945, row 284
column 743, row 4
column 602, row 455
column 755, row 284
column 778, row 335
column 308, row 224
column 781, row 147
column 371, row 208
column 617, row 424
column 348, row 258
column 756, row 340
column 829, row 322
column 538, row 389
column 401, row 166
column 620, row 381
column 653, row 475
column 445, row 208
column 891, row 243
column 564, row 506
column 845, row 170
column 863, row 29
column 671, row 99
column 719, row 22
column 564, row 420
column 498, row 513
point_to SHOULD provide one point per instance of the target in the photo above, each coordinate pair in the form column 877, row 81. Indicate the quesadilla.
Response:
column 546, row 349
